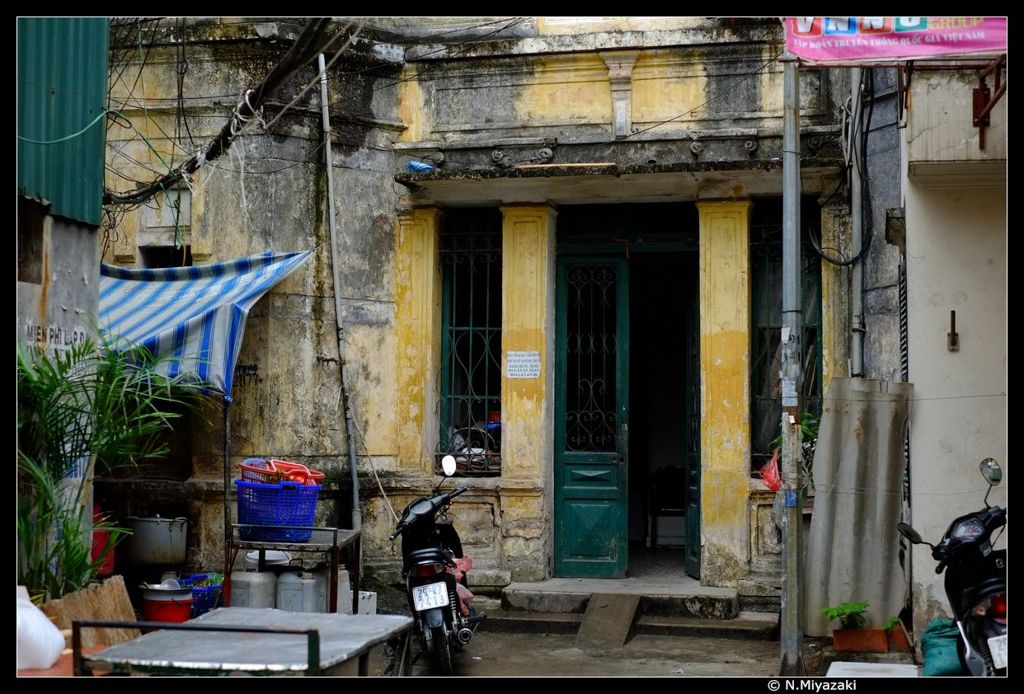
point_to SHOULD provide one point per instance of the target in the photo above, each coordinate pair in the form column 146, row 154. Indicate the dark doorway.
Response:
column 662, row 297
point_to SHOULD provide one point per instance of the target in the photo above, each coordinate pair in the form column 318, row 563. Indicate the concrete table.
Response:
column 250, row 640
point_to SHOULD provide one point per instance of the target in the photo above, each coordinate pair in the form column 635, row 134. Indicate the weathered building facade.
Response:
column 957, row 265
column 574, row 288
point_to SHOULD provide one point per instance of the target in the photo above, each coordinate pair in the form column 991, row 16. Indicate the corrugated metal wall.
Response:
column 62, row 88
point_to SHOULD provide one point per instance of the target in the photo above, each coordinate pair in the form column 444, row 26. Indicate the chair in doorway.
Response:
column 666, row 498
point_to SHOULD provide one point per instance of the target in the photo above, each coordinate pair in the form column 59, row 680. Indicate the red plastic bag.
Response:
column 770, row 473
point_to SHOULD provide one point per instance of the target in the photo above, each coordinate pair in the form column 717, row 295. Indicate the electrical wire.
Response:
column 454, row 54
column 857, row 159
column 751, row 75
column 316, row 79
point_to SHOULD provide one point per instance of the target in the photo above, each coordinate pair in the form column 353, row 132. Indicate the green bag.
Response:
column 938, row 648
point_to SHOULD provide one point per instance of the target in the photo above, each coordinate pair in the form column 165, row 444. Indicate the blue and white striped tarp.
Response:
column 191, row 318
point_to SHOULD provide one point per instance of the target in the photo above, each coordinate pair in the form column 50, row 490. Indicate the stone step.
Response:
column 678, row 599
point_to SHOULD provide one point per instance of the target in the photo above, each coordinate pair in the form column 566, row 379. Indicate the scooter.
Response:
column 975, row 580
column 434, row 569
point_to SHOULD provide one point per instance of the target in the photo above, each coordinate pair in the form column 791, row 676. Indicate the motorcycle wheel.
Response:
column 440, row 651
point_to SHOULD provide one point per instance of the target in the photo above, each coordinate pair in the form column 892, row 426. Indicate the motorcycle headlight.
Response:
column 968, row 529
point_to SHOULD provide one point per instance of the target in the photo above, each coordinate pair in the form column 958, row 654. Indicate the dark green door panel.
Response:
column 591, row 417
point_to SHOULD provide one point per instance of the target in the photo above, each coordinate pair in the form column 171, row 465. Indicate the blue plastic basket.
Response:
column 204, row 598
column 284, row 503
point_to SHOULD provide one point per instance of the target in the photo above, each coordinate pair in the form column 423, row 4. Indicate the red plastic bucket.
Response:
column 175, row 610
column 99, row 541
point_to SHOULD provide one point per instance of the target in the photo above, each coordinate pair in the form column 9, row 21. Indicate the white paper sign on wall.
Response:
column 522, row 364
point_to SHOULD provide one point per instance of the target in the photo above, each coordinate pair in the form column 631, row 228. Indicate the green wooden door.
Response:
column 591, row 417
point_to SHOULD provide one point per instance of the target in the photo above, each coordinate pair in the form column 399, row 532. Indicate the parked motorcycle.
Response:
column 434, row 569
column 975, row 580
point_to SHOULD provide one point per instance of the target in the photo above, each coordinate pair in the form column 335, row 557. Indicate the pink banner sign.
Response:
column 890, row 39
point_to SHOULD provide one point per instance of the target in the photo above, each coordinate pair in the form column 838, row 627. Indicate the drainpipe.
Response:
column 335, row 269
column 857, row 226
column 792, row 331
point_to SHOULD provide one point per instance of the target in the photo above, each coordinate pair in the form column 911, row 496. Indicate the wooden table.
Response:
column 250, row 640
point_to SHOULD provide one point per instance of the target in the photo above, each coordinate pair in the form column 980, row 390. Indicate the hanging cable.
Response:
column 857, row 159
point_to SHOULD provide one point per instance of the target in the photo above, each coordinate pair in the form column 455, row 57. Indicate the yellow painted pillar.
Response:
column 418, row 335
column 835, row 294
column 725, row 388
column 527, row 305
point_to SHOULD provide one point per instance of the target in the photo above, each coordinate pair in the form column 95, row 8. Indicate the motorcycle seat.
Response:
column 423, row 556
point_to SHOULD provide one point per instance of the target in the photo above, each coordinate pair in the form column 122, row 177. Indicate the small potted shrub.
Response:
column 899, row 640
column 853, row 634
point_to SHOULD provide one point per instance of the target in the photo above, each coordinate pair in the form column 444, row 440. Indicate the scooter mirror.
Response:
column 991, row 471
column 448, row 465
column 909, row 533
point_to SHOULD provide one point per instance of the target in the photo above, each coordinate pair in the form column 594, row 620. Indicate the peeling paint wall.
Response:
column 269, row 192
column 703, row 93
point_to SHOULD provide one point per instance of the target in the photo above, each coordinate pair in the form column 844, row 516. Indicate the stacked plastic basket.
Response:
column 277, row 493
column 206, row 589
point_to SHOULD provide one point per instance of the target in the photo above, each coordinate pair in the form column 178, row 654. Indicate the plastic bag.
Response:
column 770, row 473
column 939, row 649
column 39, row 642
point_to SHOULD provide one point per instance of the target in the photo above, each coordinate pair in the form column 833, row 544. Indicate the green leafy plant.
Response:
column 81, row 411
column 849, row 614
column 892, row 623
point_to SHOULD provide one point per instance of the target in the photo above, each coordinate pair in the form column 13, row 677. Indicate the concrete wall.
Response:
column 60, row 309
column 956, row 255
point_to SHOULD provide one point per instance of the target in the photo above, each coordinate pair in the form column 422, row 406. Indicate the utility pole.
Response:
column 792, row 353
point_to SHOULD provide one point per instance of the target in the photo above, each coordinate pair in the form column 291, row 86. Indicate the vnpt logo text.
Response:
column 848, row 26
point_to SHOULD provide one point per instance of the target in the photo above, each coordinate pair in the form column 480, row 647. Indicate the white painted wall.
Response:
column 956, row 260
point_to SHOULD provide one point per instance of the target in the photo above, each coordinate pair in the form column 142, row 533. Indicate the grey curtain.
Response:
column 853, row 547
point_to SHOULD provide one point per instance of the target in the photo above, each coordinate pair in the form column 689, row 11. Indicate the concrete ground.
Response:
column 555, row 655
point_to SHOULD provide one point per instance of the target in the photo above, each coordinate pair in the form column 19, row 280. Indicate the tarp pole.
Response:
column 336, row 271
column 227, row 496
column 792, row 351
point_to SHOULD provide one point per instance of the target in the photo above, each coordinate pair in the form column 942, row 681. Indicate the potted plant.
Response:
column 899, row 638
column 854, row 636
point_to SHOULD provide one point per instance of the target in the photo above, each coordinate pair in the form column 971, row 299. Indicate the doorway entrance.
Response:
column 627, row 392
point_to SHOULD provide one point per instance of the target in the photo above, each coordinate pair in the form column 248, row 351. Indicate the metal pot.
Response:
column 156, row 540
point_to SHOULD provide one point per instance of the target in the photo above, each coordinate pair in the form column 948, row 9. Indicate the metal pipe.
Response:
column 856, row 229
column 335, row 271
column 792, row 329
column 227, row 498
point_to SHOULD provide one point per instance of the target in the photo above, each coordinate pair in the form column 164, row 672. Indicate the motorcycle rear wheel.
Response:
column 441, row 651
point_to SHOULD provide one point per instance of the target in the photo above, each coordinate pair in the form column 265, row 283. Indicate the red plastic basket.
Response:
column 296, row 472
column 259, row 470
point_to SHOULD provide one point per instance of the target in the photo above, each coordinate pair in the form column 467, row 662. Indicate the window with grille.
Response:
column 766, row 328
column 470, row 407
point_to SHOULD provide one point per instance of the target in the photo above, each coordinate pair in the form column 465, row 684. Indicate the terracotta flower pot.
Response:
column 860, row 640
column 898, row 642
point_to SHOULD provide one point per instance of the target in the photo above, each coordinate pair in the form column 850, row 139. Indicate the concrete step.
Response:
column 756, row 626
column 657, row 598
